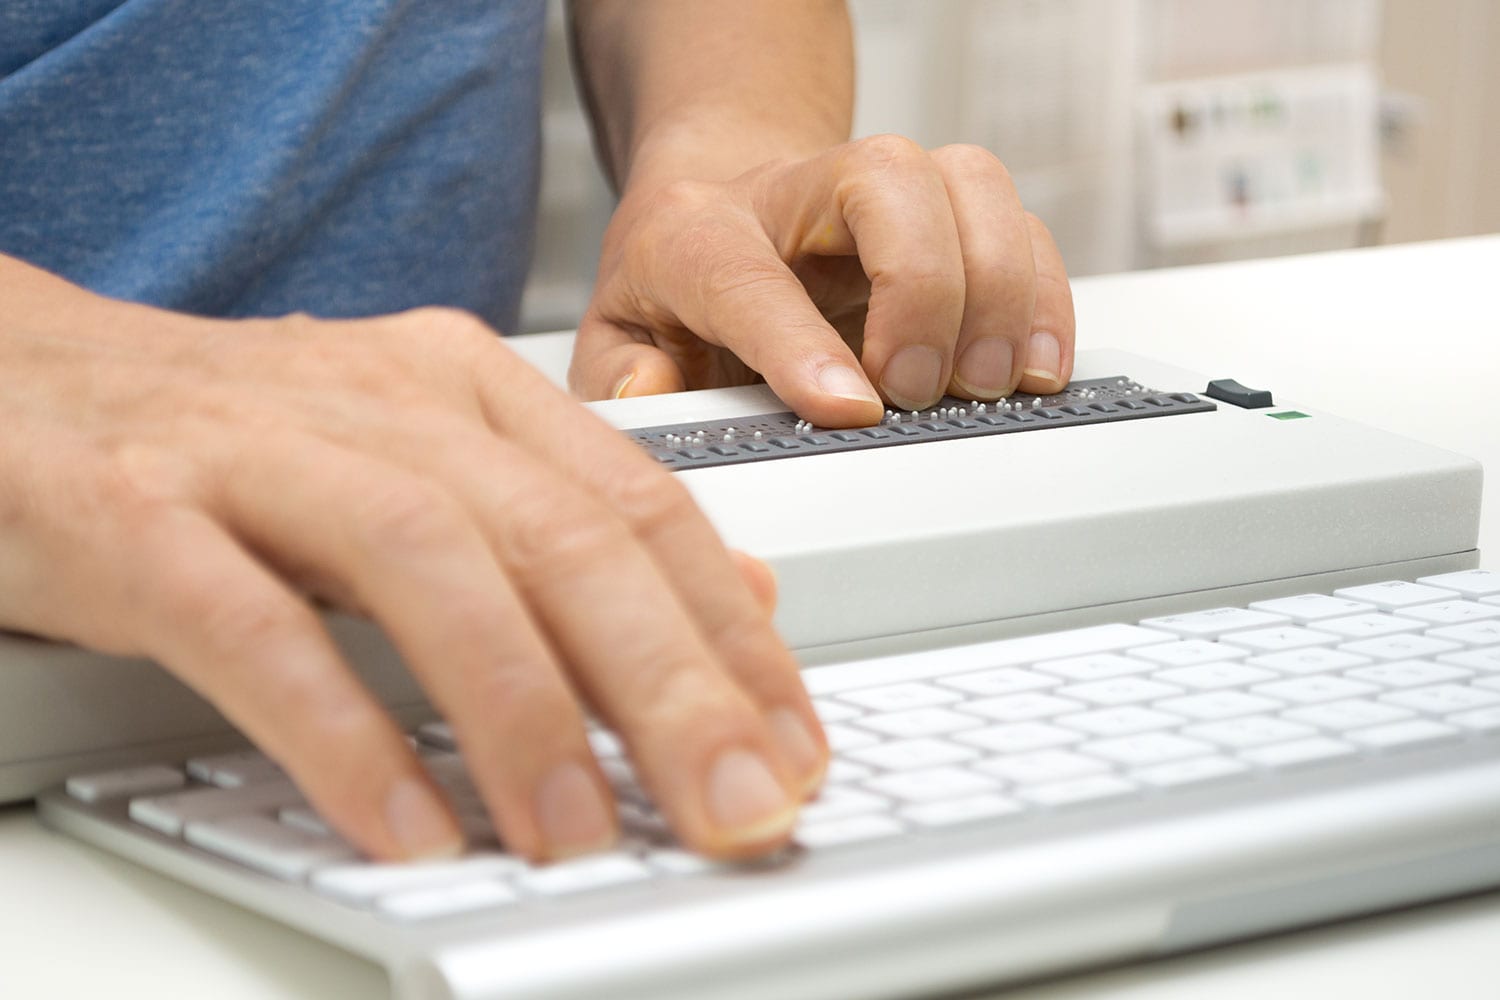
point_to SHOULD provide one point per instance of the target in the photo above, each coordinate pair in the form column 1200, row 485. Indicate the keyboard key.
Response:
column 1007, row 680
column 1194, row 771
column 1019, row 737
column 1452, row 612
column 1022, row 707
column 1250, row 731
column 1313, row 689
column 981, row 656
column 1368, row 626
column 446, row 901
column 1474, row 659
column 1120, row 691
column 845, row 772
column 675, row 861
column 829, row 711
column 127, row 781
column 932, row 785
column 168, row 814
column 897, row 697
column 919, row 722
column 362, row 884
column 1188, row 653
column 1412, row 733
column 1296, row 753
column 836, row 803
column 1212, row 705
column 1278, row 638
column 843, row 739
column 1443, row 699
column 585, row 874
column 1343, row 715
column 1145, row 749
column 1394, row 594
column 1214, row 622
column 1042, row 766
column 1097, row 667
column 1408, row 673
column 1309, row 661
column 953, row 812
column 1399, row 647
column 1123, row 720
column 606, row 744
column 268, row 846
column 1213, row 676
column 438, row 734
column 851, row 830
column 1468, row 582
column 1312, row 607
column 234, row 770
column 1485, row 720
column 1078, row 791
column 913, row 755
column 305, row 819
column 1482, row 633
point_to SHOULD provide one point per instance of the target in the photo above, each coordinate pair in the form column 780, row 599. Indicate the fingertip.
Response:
column 1043, row 371
column 420, row 823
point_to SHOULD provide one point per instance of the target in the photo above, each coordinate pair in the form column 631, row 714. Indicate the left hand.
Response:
column 875, row 265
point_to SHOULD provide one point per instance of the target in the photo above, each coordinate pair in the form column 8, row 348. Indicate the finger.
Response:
column 609, row 363
column 728, row 286
column 1049, row 350
column 999, row 273
column 414, row 557
column 759, row 577
column 886, row 198
column 700, row 575
column 223, row 624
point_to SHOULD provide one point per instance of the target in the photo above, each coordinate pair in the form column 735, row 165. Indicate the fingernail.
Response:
column 420, row 823
column 797, row 743
column 913, row 378
column 572, row 812
column 745, row 800
column 985, row 368
column 846, row 383
column 622, row 385
column 1044, row 356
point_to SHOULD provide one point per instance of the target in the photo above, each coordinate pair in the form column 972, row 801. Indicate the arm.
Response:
column 752, row 241
column 706, row 90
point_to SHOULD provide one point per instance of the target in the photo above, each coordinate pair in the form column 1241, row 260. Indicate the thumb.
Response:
column 609, row 363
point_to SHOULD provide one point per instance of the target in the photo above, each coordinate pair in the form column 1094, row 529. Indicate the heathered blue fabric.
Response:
column 257, row 157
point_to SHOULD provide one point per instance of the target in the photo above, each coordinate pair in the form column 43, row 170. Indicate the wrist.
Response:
column 720, row 148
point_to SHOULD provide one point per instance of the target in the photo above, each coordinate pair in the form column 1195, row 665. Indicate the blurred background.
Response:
column 1145, row 133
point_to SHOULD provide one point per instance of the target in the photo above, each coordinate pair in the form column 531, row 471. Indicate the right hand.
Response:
column 178, row 488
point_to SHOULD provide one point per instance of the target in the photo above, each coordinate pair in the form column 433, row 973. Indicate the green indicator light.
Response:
column 1288, row 415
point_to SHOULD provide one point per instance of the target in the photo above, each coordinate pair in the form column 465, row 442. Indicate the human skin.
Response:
column 190, row 489
column 752, row 241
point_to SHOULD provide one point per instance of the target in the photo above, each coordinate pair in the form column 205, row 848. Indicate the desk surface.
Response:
column 1406, row 338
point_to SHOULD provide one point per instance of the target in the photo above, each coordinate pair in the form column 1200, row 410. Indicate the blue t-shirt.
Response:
column 259, row 157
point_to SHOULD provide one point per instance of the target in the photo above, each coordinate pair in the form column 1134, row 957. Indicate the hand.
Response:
column 177, row 488
column 874, row 264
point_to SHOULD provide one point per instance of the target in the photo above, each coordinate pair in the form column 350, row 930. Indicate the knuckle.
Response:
column 561, row 535
column 231, row 619
column 885, row 151
column 651, row 500
column 454, row 327
column 410, row 515
column 968, row 159
column 681, row 197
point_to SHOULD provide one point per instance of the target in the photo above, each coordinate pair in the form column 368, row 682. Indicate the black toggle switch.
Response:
column 1227, row 390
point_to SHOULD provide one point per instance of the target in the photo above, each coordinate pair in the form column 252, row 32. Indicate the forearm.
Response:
column 706, row 89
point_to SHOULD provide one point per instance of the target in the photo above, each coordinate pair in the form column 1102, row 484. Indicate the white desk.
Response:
column 1407, row 338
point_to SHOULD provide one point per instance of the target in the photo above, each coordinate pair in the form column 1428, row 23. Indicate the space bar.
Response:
column 1000, row 653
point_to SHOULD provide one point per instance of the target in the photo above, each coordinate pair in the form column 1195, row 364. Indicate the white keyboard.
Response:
column 1009, row 735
